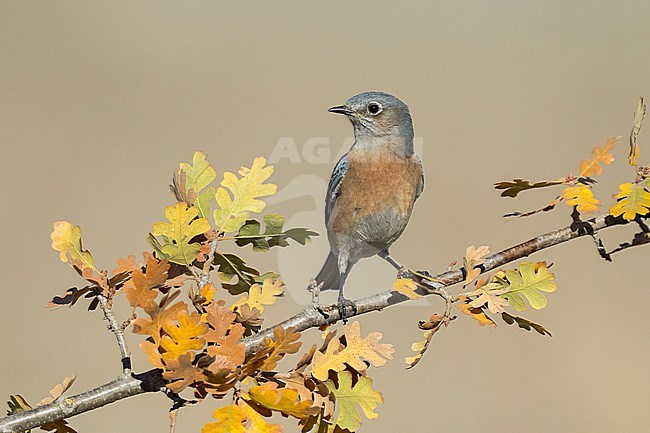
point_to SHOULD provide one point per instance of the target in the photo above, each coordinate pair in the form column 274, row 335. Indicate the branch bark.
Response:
column 151, row 381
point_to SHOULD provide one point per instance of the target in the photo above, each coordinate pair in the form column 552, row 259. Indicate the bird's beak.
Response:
column 341, row 109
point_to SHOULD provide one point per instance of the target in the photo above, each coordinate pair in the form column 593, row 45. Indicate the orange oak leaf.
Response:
column 125, row 266
column 182, row 373
column 476, row 313
column 140, row 288
column 223, row 333
column 592, row 167
column 284, row 342
column 153, row 326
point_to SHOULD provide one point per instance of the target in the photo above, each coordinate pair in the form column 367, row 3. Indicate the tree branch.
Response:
column 151, row 381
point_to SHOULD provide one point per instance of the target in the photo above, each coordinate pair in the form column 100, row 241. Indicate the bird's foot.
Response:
column 315, row 289
column 343, row 305
column 403, row 272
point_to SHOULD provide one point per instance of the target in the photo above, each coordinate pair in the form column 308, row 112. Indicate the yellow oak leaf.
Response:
column 239, row 418
column 592, row 167
column 66, row 238
column 633, row 153
column 356, row 351
column 582, row 197
column 529, row 280
column 348, row 397
column 474, row 257
column 283, row 400
column 259, row 296
column 183, row 336
column 207, row 292
column 420, row 347
column 476, row 313
column 406, row 287
column 234, row 206
column 198, row 176
column 230, row 419
column 633, row 200
column 183, row 225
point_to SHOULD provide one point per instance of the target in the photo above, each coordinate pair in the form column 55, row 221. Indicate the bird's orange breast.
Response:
column 374, row 183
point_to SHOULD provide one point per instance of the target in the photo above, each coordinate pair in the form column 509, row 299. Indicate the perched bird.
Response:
column 372, row 188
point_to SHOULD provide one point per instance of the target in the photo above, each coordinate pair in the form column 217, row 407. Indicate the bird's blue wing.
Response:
column 421, row 186
column 334, row 187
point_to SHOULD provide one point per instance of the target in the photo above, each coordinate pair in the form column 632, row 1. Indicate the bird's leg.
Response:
column 402, row 272
column 343, row 302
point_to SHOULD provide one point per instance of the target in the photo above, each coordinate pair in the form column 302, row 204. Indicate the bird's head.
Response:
column 377, row 114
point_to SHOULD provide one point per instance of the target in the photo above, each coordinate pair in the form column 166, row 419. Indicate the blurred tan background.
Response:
column 100, row 101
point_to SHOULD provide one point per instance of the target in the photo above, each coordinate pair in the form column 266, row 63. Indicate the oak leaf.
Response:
column 356, row 351
column 181, row 372
column 529, row 282
column 238, row 196
column 223, row 334
column 66, row 238
column 488, row 295
column 58, row 390
column 183, row 335
column 285, row 341
column 125, row 266
column 140, row 288
column 512, row 189
column 633, row 153
column 474, row 257
column 283, row 400
column 158, row 317
column 198, row 176
column 420, row 347
column 259, row 296
column 582, row 197
column 183, row 225
column 406, row 287
column 477, row 314
column 236, row 276
column 239, row 418
column 592, row 167
column 633, row 200
column 348, row 397
column 207, row 293
column 525, row 324
column 250, row 233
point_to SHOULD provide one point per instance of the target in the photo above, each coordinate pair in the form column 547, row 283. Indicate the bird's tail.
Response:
column 329, row 274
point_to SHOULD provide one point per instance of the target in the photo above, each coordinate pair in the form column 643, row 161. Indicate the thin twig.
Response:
column 116, row 329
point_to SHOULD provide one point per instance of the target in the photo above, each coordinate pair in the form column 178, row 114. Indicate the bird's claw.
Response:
column 343, row 305
column 402, row 272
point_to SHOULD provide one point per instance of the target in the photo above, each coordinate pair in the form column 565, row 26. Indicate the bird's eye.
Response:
column 374, row 108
